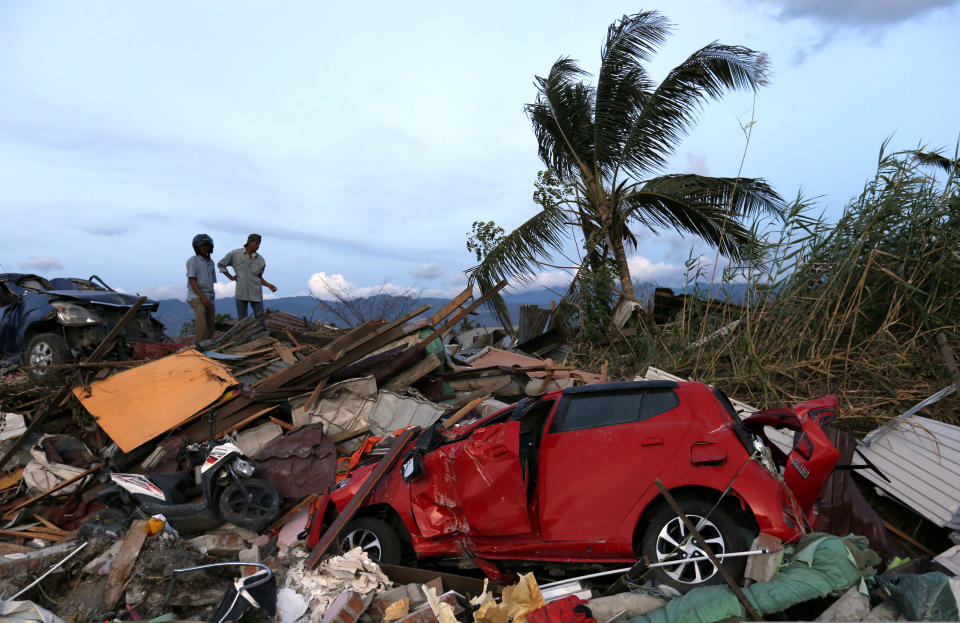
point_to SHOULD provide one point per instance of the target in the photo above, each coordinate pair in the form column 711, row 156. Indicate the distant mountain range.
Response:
column 173, row 313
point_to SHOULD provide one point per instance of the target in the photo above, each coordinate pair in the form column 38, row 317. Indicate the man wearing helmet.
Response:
column 249, row 266
column 201, row 276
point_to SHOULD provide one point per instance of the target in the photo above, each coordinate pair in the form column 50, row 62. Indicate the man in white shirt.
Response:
column 249, row 266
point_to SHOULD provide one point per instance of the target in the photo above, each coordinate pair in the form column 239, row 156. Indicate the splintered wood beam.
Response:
column 413, row 374
column 464, row 411
column 454, row 303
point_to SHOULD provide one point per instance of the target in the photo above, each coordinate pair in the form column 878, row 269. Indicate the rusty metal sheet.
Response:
column 301, row 463
column 137, row 405
column 282, row 321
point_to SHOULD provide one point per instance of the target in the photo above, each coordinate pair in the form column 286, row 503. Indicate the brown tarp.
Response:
column 300, row 463
column 844, row 510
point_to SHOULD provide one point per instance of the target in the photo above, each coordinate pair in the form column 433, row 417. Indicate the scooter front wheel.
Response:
column 253, row 505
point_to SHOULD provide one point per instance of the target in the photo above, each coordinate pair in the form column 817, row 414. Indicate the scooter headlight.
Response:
column 246, row 468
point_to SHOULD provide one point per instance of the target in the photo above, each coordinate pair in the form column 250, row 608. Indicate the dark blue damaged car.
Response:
column 51, row 322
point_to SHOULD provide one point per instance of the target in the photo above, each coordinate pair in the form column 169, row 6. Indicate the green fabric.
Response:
column 818, row 566
column 435, row 347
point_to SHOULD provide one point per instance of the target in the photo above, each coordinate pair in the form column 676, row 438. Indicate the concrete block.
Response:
column 219, row 545
column 884, row 611
column 30, row 564
column 852, row 606
column 346, row 608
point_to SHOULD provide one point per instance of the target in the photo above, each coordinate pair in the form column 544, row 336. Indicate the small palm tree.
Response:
column 610, row 143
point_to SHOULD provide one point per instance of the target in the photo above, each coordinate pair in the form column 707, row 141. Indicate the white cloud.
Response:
column 178, row 292
column 642, row 269
column 331, row 287
column 427, row 271
column 554, row 279
column 697, row 163
column 41, row 264
column 223, row 290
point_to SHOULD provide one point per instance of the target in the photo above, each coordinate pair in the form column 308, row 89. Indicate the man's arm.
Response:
column 222, row 265
column 272, row 287
column 196, row 288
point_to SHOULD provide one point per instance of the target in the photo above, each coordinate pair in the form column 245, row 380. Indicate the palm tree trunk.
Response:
column 620, row 255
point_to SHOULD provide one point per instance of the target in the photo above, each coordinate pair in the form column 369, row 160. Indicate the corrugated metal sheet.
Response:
column 393, row 412
column 282, row 321
column 921, row 457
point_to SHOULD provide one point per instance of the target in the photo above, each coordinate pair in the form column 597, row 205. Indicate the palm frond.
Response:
column 708, row 207
column 672, row 109
column 562, row 119
column 516, row 257
column 623, row 83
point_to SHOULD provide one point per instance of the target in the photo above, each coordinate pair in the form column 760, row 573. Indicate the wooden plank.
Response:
column 361, row 496
column 256, row 415
column 485, row 392
column 124, row 562
column 13, row 548
column 347, row 435
column 281, row 423
column 49, row 524
column 454, row 303
column 51, row 490
column 411, row 375
column 292, row 339
column 906, row 537
column 408, row 356
column 328, row 353
column 309, row 404
column 463, row 411
column 286, row 354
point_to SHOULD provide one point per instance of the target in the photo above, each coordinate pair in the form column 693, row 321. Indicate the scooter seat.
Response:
column 174, row 485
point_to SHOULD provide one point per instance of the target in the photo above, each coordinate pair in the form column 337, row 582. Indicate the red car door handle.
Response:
column 498, row 450
column 651, row 441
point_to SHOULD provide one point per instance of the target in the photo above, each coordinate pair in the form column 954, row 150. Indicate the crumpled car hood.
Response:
column 113, row 299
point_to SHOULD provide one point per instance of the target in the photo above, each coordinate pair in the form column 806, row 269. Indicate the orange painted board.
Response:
column 136, row 405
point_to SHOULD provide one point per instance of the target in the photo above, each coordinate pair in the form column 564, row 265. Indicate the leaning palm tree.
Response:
column 611, row 143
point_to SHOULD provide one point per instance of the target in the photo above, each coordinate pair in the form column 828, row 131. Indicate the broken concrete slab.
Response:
column 852, row 606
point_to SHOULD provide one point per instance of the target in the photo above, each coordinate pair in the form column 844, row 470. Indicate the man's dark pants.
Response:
column 257, row 311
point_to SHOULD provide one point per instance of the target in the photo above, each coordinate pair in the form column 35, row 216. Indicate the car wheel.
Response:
column 254, row 509
column 667, row 539
column 43, row 350
column 374, row 537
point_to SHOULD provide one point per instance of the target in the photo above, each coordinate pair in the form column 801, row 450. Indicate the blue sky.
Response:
column 362, row 141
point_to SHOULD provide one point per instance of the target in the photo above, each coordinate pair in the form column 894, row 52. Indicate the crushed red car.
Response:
column 569, row 477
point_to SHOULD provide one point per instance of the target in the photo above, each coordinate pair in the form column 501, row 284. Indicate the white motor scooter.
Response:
column 229, row 491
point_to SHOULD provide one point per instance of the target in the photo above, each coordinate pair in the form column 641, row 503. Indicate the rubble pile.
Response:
column 251, row 473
